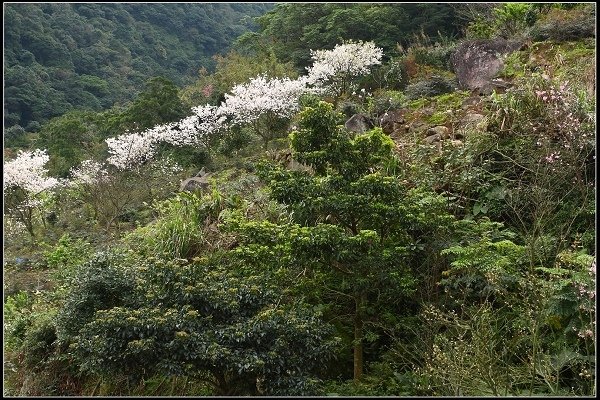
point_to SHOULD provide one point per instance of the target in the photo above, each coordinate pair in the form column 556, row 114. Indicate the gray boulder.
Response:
column 359, row 123
column 433, row 139
column 198, row 182
column 392, row 121
column 476, row 62
column 441, row 131
column 471, row 120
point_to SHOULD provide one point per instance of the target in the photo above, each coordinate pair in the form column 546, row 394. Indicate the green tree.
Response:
column 352, row 224
column 238, row 333
column 294, row 29
column 70, row 139
column 157, row 104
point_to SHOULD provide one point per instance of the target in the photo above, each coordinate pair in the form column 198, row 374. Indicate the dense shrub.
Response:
column 566, row 25
column 188, row 319
column 100, row 284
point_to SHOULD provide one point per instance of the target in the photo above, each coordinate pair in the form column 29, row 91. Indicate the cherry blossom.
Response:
column 337, row 67
column 27, row 172
column 133, row 149
column 258, row 103
column 247, row 102
column 27, row 185
column 88, row 172
column 193, row 130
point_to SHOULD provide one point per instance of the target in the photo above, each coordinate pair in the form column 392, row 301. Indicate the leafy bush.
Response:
column 486, row 263
column 68, row 253
column 566, row 25
column 201, row 318
column 480, row 28
column 99, row 284
column 39, row 343
column 17, row 318
column 436, row 55
column 507, row 20
column 395, row 74
column 384, row 101
column 512, row 18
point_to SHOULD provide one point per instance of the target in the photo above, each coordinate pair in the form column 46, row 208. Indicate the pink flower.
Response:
column 207, row 90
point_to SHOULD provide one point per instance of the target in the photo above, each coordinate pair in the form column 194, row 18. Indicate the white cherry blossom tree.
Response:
column 264, row 104
column 335, row 69
column 89, row 172
column 106, row 192
column 131, row 150
column 27, row 186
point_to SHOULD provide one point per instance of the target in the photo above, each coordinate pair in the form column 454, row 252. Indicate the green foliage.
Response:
column 355, row 223
column 384, row 101
column 565, row 22
column 480, row 29
column 64, row 259
column 70, row 139
column 294, row 29
column 571, row 307
column 434, row 86
column 199, row 318
column 99, row 284
column 61, row 57
column 178, row 232
column 434, row 52
column 486, row 266
column 461, row 269
column 68, row 253
column 323, row 145
column 507, row 20
column 39, row 343
column 157, row 104
column 17, row 317
column 511, row 18
column 395, row 74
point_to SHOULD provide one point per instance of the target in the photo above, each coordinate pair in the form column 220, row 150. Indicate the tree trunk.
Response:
column 358, row 338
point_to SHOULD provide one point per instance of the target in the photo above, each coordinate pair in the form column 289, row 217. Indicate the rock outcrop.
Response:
column 477, row 62
column 437, row 133
column 393, row 122
column 198, row 182
column 359, row 123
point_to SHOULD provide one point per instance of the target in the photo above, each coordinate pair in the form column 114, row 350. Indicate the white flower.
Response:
column 27, row 172
column 88, row 172
column 349, row 59
column 247, row 102
column 131, row 149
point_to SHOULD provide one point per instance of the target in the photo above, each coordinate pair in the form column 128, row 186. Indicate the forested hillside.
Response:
column 60, row 56
column 358, row 200
column 292, row 30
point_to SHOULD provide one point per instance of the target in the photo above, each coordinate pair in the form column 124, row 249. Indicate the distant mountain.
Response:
column 59, row 57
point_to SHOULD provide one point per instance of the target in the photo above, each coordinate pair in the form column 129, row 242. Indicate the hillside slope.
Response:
column 59, row 57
